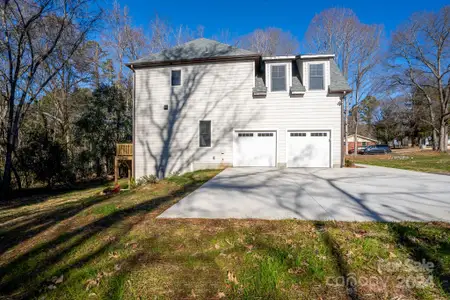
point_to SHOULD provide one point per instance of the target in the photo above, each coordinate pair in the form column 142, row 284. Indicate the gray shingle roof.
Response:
column 260, row 88
column 338, row 82
column 297, row 86
column 196, row 49
column 202, row 48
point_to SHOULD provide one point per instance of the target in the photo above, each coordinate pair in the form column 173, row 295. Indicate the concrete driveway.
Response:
column 358, row 194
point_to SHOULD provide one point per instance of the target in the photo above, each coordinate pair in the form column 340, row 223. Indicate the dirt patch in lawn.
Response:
column 112, row 247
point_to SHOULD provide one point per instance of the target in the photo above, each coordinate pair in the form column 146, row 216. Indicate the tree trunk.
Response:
column 17, row 176
column 443, row 137
column 6, row 183
column 98, row 167
column 12, row 132
column 435, row 141
column 446, row 137
column 355, row 143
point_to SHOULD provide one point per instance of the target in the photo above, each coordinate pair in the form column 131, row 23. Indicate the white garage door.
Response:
column 255, row 148
column 308, row 149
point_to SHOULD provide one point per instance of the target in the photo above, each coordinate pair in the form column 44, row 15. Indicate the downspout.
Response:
column 133, row 133
column 343, row 135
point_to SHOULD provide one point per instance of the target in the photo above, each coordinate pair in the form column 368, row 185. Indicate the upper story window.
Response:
column 278, row 78
column 316, row 77
column 176, row 77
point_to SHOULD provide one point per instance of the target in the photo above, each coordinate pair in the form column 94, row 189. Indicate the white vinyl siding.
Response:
column 221, row 93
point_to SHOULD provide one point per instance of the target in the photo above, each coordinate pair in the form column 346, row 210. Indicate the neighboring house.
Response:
column 362, row 141
column 427, row 141
column 205, row 104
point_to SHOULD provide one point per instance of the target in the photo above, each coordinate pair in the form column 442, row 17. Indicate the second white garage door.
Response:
column 255, row 148
column 308, row 149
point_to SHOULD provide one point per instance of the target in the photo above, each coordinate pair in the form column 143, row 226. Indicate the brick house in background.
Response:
column 362, row 141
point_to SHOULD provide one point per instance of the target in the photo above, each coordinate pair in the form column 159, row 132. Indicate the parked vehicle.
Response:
column 377, row 149
column 360, row 150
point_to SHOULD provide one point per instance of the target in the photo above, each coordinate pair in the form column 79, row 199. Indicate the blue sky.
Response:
column 243, row 16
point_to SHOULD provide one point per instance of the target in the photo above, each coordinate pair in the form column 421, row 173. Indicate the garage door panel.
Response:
column 253, row 148
column 308, row 149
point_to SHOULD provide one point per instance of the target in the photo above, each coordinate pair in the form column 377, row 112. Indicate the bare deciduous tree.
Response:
column 366, row 59
column 270, row 41
column 126, row 41
column 164, row 35
column 334, row 31
column 33, row 34
column 93, row 59
column 225, row 36
column 339, row 31
column 420, row 59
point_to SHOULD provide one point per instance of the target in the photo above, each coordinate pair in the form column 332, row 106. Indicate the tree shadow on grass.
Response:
column 30, row 196
column 425, row 246
column 27, row 269
column 183, row 279
column 341, row 263
column 30, row 224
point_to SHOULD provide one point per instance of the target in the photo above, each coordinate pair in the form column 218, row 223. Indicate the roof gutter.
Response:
column 137, row 65
column 312, row 56
column 346, row 91
column 280, row 57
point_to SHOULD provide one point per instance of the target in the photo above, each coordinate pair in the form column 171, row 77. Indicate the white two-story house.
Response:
column 205, row 104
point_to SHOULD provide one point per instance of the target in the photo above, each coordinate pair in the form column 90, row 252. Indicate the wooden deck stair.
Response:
column 124, row 154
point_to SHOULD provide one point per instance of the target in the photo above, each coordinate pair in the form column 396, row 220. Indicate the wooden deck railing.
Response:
column 124, row 150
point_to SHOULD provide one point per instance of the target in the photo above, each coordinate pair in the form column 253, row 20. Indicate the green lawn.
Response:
column 83, row 245
column 427, row 161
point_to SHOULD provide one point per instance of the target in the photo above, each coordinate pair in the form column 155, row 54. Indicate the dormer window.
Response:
column 316, row 78
column 278, row 78
column 176, row 77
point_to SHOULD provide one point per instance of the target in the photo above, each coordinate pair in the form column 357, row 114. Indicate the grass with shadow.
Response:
column 423, row 161
column 83, row 245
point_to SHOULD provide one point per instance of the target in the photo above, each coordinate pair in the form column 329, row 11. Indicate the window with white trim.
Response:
column 316, row 77
column 176, row 77
column 278, row 78
column 205, row 133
